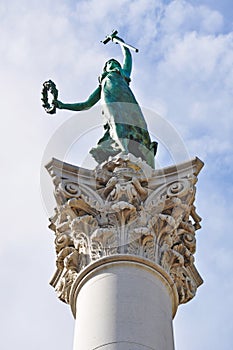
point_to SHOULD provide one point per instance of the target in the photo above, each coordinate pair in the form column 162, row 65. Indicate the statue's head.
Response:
column 111, row 64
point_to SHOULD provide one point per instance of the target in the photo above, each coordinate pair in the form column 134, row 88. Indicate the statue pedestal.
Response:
column 125, row 239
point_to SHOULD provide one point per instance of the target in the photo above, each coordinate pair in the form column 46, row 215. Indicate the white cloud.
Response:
column 181, row 16
column 195, row 78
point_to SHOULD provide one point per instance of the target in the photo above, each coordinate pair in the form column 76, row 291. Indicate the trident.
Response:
column 117, row 41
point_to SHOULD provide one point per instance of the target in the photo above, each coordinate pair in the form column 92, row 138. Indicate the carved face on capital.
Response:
column 111, row 64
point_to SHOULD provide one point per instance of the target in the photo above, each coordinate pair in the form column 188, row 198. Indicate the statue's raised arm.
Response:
column 127, row 63
column 125, row 126
column 127, row 57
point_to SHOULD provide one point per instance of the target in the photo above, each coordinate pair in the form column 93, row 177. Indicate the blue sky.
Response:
column 183, row 74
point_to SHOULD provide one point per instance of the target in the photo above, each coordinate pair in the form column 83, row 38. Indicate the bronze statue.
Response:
column 125, row 128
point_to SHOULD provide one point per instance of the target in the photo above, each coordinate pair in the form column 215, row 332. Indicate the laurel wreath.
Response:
column 49, row 86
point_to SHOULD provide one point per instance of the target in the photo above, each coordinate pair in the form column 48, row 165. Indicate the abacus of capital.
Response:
column 125, row 240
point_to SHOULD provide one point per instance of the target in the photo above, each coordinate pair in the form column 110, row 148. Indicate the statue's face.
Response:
column 110, row 65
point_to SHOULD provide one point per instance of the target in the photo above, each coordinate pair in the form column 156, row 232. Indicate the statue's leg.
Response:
column 106, row 147
column 106, row 135
column 137, row 141
column 122, row 136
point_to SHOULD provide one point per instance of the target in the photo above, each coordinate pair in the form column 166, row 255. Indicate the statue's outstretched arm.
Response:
column 81, row 106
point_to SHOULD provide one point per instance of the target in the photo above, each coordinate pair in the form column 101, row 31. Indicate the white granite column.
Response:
column 123, row 305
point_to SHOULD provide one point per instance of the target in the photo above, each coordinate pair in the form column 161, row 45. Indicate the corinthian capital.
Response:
column 126, row 208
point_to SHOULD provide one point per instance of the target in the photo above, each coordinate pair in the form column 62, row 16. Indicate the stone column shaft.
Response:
column 124, row 305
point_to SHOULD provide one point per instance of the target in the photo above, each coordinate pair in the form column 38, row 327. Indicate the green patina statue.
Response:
column 125, row 128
